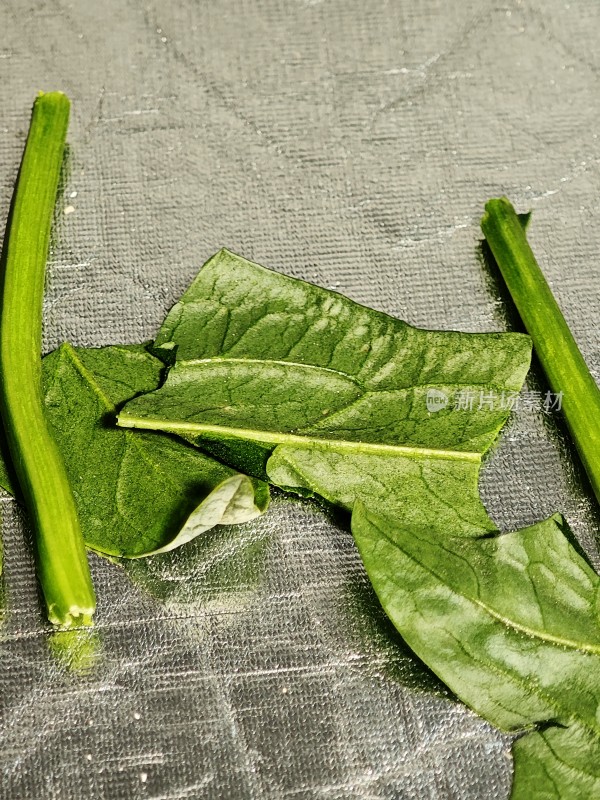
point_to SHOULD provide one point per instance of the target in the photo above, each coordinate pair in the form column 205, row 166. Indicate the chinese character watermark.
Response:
column 490, row 400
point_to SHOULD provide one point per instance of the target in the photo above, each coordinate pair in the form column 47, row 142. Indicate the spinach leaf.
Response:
column 297, row 384
column 304, row 387
column 135, row 494
column 511, row 624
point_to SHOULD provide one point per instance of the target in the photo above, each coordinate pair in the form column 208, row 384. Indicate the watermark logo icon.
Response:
column 436, row 400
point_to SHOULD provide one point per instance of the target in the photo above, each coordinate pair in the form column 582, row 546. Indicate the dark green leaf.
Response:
column 319, row 394
column 511, row 624
column 136, row 494
column 557, row 764
column 327, row 397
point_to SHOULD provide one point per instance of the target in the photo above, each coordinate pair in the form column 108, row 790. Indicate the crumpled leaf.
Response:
column 300, row 385
column 231, row 502
column 136, row 494
column 511, row 624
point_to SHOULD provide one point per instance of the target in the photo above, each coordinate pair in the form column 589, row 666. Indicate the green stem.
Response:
column 62, row 563
column 553, row 342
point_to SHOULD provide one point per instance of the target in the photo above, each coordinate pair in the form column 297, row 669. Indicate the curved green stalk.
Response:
column 553, row 342
column 62, row 563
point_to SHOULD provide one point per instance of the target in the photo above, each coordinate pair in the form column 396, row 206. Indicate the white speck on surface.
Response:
column 89, row 756
column 143, row 777
column 73, row 195
column 68, row 210
column 137, row 716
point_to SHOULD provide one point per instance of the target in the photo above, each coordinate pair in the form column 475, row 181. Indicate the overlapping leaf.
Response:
column 318, row 394
column 292, row 382
column 135, row 494
column 512, row 625
column 299, row 385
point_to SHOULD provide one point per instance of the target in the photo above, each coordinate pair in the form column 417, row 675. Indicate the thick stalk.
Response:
column 61, row 558
column 553, row 342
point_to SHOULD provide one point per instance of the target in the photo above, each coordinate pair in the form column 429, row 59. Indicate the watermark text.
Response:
column 479, row 400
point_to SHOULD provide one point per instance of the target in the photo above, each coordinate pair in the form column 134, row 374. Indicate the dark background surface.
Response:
column 352, row 143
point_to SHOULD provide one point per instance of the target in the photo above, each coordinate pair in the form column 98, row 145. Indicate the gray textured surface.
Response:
column 353, row 143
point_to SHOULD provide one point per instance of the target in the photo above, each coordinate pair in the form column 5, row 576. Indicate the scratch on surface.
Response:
column 443, row 233
column 69, row 266
column 139, row 111
column 49, row 305
column 580, row 169
column 425, row 69
column 547, row 193
column 215, row 93
column 546, row 26
column 137, row 759
column 421, row 70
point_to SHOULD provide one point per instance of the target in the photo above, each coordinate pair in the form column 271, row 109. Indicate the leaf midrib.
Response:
column 568, row 643
column 550, row 701
column 87, row 375
column 69, row 350
column 125, row 420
